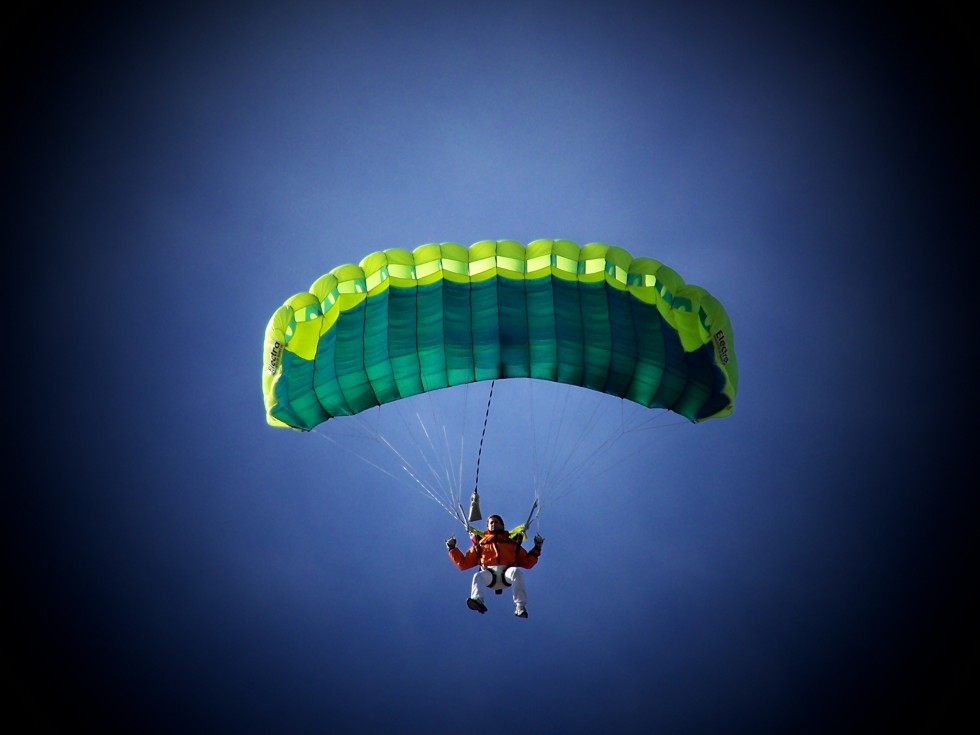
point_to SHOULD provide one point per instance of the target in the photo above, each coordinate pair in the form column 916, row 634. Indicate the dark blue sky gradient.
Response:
column 173, row 175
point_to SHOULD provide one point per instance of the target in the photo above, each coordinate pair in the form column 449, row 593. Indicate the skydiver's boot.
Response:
column 520, row 611
column 475, row 603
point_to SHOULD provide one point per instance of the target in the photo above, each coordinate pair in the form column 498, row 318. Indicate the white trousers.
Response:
column 499, row 578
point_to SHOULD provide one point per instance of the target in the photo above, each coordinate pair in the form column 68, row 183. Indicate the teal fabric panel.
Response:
column 674, row 374
column 323, row 377
column 402, row 342
column 512, row 321
column 486, row 330
column 458, row 332
column 698, row 385
column 542, row 338
column 568, row 332
column 596, row 335
column 622, row 333
column 431, row 338
column 377, row 362
column 297, row 404
column 349, row 359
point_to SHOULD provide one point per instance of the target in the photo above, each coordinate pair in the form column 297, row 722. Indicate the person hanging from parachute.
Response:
column 501, row 557
column 498, row 552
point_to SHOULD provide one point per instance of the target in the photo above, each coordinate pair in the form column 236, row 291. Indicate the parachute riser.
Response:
column 532, row 515
column 475, row 513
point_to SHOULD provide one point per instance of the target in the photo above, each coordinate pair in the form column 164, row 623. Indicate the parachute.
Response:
column 402, row 326
column 403, row 323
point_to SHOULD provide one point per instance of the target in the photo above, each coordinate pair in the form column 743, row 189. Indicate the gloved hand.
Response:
column 451, row 542
column 538, row 540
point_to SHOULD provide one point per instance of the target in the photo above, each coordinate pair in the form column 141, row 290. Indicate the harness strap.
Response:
column 486, row 541
column 494, row 577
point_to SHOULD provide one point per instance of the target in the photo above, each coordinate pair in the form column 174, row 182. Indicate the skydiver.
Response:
column 500, row 558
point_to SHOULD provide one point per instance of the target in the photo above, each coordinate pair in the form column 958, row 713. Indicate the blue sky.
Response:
column 173, row 175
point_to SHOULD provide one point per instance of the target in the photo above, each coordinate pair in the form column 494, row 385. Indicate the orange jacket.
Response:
column 495, row 548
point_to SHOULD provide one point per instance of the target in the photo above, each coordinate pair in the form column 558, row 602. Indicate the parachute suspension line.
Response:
column 458, row 498
column 426, row 452
column 535, row 482
column 577, row 448
column 479, row 453
column 451, row 464
column 568, row 448
column 544, row 448
column 474, row 513
column 418, row 484
column 367, row 430
column 454, row 468
column 571, row 473
column 563, row 452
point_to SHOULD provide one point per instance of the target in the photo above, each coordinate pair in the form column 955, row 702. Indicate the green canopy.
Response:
column 402, row 323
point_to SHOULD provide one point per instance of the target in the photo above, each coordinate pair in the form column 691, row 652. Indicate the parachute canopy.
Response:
column 402, row 323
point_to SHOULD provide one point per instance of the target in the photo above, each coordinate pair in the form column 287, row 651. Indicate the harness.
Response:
column 497, row 576
column 498, row 571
